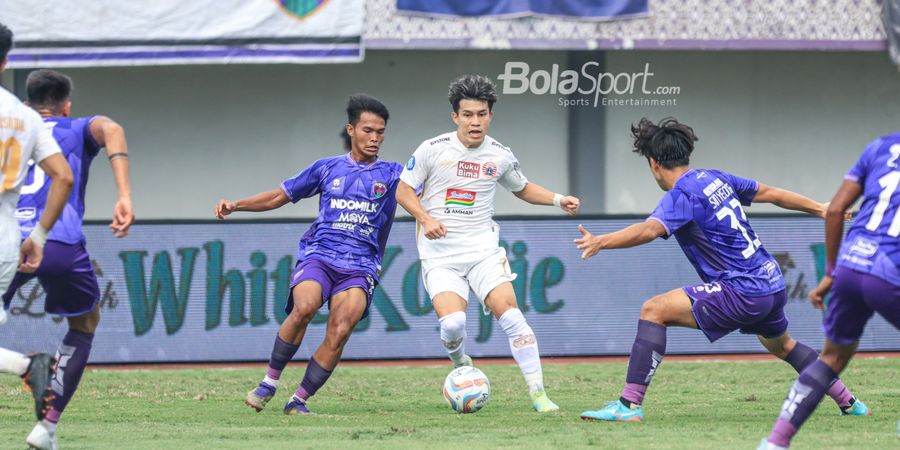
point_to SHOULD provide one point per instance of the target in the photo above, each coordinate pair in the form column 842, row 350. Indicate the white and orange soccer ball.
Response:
column 467, row 389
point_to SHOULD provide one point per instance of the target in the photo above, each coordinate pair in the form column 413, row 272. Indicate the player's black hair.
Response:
column 472, row 87
column 345, row 139
column 6, row 41
column 670, row 142
column 361, row 103
column 47, row 88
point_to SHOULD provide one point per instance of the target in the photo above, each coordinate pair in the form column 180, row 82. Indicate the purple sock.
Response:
column 282, row 352
column 646, row 354
column 313, row 379
column 840, row 394
column 804, row 396
column 802, row 356
column 73, row 357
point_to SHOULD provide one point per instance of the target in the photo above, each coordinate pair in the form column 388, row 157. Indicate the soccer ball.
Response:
column 467, row 389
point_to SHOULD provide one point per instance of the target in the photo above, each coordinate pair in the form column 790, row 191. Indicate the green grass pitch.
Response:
column 691, row 405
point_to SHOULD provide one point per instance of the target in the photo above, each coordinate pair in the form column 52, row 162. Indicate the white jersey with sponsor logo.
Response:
column 458, row 191
column 23, row 136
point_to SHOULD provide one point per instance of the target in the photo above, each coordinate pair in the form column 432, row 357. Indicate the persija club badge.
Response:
column 489, row 169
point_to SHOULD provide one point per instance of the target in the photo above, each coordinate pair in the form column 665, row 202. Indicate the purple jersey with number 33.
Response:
column 356, row 211
column 871, row 245
column 704, row 212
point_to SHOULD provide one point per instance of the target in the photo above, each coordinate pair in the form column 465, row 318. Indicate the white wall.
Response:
column 200, row 133
column 794, row 119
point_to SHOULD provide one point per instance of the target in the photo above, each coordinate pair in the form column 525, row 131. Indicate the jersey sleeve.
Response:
column 45, row 146
column 305, row 184
column 744, row 188
column 859, row 170
column 417, row 167
column 674, row 211
column 90, row 144
column 513, row 179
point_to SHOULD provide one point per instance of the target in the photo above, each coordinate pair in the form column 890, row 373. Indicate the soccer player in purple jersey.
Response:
column 743, row 288
column 67, row 274
column 339, row 257
column 863, row 275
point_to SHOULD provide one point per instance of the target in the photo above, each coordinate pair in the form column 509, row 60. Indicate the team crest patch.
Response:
column 301, row 9
column 379, row 189
column 468, row 169
column 460, row 197
column 489, row 169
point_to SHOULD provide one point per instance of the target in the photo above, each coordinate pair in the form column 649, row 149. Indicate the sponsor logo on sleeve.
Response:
column 459, row 197
column 468, row 169
column 411, row 162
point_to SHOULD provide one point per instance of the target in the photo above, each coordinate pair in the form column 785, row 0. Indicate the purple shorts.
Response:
column 332, row 280
column 68, row 279
column 854, row 297
column 719, row 309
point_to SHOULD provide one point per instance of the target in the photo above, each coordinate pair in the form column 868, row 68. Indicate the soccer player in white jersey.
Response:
column 23, row 137
column 457, row 238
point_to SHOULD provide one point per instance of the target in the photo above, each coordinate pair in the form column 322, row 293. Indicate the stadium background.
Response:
column 788, row 98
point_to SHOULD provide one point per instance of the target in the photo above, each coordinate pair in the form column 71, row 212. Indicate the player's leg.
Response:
column 670, row 309
column 36, row 370
column 347, row 308
column 67, row 276
column 304, row 300
column 449, row 293
column 523, row 343
column 491, row 278
column 853, row 296
column 807, row 391
column 800, row 356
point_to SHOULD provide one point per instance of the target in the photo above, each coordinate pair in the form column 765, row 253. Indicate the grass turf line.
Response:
column 691, row 405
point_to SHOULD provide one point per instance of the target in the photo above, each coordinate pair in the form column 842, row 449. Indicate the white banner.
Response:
column 82, row 33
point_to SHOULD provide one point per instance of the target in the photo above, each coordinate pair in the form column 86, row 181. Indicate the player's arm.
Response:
column 111, row 135
column 785, row 199
column 407, row 198
column 538, row 195
column 837, row 211
column 55, row 167
column 630, row 236
column 264, row 201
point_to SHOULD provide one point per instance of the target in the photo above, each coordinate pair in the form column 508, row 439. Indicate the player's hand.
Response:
column 817, row 295
column 123, row 217
column 224, row 208
column 589, row 243
column 570, row 205
column 433, row 229
column 30, row 256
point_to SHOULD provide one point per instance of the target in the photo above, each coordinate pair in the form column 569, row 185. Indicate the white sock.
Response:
column 453, row 335
column 523, row 344
column 50, row 426
column 13, row 362
column 270, row 381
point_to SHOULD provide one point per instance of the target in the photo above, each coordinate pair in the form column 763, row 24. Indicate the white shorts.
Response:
column 7, row 272
column 482, row 271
